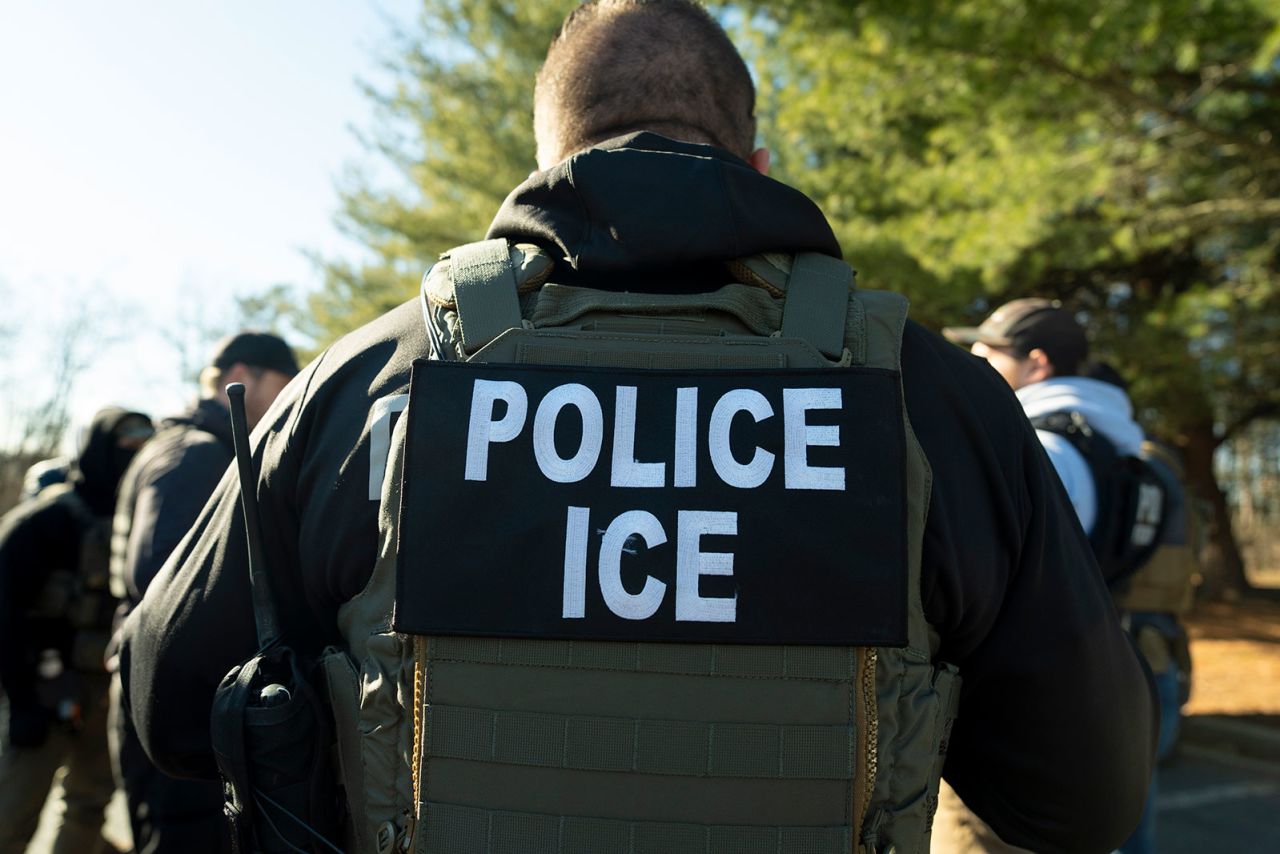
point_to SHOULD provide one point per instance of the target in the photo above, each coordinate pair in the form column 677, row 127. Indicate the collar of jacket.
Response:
column 642, row 204
column 208, row 415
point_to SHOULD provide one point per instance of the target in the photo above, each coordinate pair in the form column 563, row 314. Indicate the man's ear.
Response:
column 759, row 160
column 1039, row 368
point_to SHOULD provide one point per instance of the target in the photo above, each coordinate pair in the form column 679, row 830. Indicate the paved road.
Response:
column 1212, row 801
column 1208, row 802
column 116, row 831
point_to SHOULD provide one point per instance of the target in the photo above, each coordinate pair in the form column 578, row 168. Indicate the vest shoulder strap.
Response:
column 483, row 282
column 484, row 287
column 817, row 302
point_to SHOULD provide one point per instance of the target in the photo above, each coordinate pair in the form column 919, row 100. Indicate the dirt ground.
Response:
column 1235, row 660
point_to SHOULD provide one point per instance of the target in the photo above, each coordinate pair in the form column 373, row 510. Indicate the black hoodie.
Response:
column 44, row 535
column 1054, row 743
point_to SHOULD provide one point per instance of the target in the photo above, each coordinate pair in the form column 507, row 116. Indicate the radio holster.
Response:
column 272, row 734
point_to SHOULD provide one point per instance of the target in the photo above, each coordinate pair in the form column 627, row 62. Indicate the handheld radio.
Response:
column 271, row 732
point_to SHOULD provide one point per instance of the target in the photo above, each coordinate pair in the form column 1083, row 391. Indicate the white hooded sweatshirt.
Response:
column 1107, row 409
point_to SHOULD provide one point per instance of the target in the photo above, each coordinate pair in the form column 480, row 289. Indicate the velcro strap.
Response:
column 818, row 302
column 463, row 830
column 484, row 285
column 688, row 748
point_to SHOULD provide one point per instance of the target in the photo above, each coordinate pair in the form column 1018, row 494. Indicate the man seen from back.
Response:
column 649, row 179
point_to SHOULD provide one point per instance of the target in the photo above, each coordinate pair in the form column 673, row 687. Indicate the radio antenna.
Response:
column 264, row 606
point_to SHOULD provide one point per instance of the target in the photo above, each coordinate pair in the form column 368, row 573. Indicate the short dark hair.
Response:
column 256, row 350
column 628, row 65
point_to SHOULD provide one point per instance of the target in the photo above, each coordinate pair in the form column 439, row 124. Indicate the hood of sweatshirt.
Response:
column 1106, row 407
column 646, row 213
column 102, row 460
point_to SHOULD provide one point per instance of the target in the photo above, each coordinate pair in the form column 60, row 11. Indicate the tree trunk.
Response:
column 1221, row 564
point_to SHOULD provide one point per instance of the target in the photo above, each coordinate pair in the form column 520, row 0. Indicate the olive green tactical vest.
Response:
column 1164, row 584
column 474, row 744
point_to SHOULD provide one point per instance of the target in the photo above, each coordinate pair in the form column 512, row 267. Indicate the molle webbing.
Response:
column 579, row 352
column 559, row 305
column 463, row 830
column 723, row 329
column 687, row 747
column 594, row 743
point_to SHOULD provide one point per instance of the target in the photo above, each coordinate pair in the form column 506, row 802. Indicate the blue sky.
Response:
column 158, row 159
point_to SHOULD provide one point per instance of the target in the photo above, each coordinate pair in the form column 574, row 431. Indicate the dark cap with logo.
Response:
column 1030, row 324
column 257, row 350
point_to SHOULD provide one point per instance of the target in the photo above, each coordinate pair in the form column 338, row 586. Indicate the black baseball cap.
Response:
column 1030, row 324
column 257, row 350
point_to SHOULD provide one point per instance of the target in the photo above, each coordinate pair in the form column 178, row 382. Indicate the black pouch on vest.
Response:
column 273, row 749
column 272, row 735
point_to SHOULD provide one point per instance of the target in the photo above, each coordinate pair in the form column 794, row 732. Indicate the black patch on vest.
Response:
column 809, row 566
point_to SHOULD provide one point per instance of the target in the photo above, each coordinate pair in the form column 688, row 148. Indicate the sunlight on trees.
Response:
column 1120, row 157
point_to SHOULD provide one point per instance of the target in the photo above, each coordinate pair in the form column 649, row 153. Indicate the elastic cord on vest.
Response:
column 259, row 797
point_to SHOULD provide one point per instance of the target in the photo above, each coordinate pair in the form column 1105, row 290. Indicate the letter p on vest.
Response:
column 483, row 430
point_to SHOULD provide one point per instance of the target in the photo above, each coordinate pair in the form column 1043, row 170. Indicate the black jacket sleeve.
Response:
column 1054, row 742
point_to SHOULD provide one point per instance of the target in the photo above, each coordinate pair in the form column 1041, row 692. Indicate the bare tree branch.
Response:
column 1264, row 409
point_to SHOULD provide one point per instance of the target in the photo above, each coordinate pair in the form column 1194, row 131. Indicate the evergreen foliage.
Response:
column 458, row 127
column 1120, row 156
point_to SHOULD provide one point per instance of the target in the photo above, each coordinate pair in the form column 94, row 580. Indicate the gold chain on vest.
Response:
column 419, row 716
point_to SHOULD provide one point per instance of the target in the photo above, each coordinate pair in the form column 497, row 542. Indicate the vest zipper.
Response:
column 419, row 719
column 866, row 719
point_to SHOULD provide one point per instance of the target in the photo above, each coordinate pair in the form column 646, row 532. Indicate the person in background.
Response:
column 1039, row 349
column 160, row 497
column 1154, row 598
column 1086, row 425
column 44, row 474
column 55, row 619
